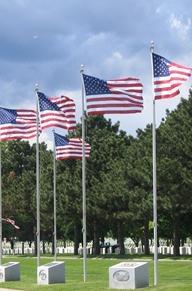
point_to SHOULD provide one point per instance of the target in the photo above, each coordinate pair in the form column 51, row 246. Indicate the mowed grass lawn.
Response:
column 173, row 274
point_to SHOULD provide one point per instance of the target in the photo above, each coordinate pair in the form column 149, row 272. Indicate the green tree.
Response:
column 139, row 170
column 18, row 186
column 175, row 167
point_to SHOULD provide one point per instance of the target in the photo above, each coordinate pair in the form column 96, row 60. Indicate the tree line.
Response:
column 118, row 185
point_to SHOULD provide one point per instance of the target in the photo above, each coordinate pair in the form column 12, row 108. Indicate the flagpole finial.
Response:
column 82, row 68
column 36, row 87
column 152, row 46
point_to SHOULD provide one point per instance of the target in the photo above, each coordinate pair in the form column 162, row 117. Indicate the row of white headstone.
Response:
column 164, row 250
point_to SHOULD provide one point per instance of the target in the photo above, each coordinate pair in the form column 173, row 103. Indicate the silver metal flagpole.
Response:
column 0, row 210
column 37, row 179
column 54, row 200
column 154, row 179
column 83, row 181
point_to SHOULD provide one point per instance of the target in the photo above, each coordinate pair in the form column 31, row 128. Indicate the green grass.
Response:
column 174, row 275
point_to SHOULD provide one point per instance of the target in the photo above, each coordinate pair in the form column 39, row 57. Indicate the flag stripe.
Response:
column 114, row 105
column 108, row 111
column 168, row 95
column 17, row 137
column 97, row 99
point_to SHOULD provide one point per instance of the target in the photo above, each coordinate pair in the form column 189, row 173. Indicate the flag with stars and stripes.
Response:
column 56, row 112
column 168, row 76
column 120, row 96
column 17, row 124
column 70, row 149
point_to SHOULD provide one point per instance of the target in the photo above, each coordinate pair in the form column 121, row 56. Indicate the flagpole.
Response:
column 154, row 180
column 83, row 182
column 0, row 209
column 37, row 179
column 54, row 201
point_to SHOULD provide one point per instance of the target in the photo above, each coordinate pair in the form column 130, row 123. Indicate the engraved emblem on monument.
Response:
column 42, row 275
column 121, row 275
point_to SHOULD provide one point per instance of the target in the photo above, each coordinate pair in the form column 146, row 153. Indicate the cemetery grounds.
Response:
column 174, row 273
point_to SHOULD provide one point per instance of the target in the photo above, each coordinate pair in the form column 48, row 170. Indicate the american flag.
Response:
column 69, row 149
column 11, row 221
column 17, row 124
column 114, row 96
column 168, row 76
column 56, row 112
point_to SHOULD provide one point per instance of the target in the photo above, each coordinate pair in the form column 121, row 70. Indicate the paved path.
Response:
column 5, row 289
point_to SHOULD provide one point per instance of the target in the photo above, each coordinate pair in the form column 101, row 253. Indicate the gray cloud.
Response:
column 47, row 41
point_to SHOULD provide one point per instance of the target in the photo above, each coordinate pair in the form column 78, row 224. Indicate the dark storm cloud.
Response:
column 46, row 41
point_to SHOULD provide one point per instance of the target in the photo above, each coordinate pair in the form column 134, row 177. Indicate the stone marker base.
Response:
column 129, row 275
column 51, row 273
column 10, row 272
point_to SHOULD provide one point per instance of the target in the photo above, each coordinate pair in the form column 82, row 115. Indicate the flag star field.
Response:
column 160, row 66
column 7, row 116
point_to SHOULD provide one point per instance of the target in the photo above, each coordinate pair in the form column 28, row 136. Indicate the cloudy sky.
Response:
column 45, row 42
